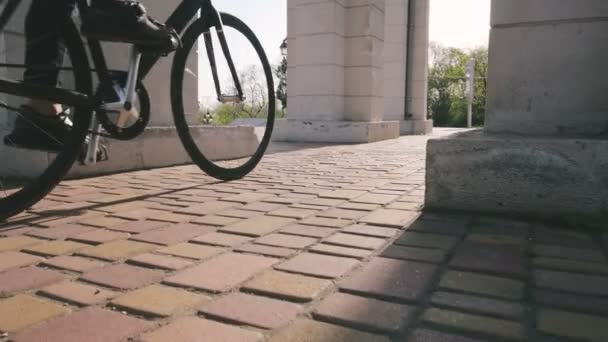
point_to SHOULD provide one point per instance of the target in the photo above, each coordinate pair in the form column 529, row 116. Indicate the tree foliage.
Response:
column 446, row 97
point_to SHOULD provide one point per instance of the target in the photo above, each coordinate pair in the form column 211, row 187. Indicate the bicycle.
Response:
column 119, row 107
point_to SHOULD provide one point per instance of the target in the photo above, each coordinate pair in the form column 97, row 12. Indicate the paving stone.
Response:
column 188, row 329
column 426, row 335
column 102, row 221
column 482, row 284
column 315, row 208
column 239, row 213
column 173, row 217
column 123, row 277
column 15, row 243
column 359, row 206
column 262, row 207
column 575, row 325
column 568, row 253
column 435, row 256
column 294, row 213
column 572, row 282
column 258, row 226
column 286, row 241
column 447, row 227
column 206, row 208
column 304, row 330
column 117, row 250
column 17, row 231
column 356, row 241
column 247, row 197
column 310, row 231
column 139, row 214
column 172, row 234
column 341, row 194
column 507, row 260
column 77, row 293
column 572, row 302
column 375, row 199
column 479, row 305
column 99, row 236
column 9, row 260
column 325, row 222
column 245, row 309
column 156, row 300
column 73, row 263
column 85, row 325
column 474, row 323
column 191, row 251
column 356, row 253
column 55, row 248
column 270, row 251
column 391, row 279
column 215, row 220
column 163, row 262
column 374, row 231
column 427, row 240
column 328, row 202
column 221, row 273
column 342, row 214
column 571, row 265
column 566, row 238
column 222, row 239
column 390, row 218
column 27, row 278
column 136, row 227
column 405, row 206
column 21, row 311
column 322, row 266
column 288, row 286
column 364, row 313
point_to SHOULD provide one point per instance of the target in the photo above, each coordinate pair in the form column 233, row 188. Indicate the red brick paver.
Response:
column 91, row 325
column 256, row 311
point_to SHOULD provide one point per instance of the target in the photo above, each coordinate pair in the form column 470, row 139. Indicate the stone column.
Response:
column 544, row 151
column 335, row 77
column 416, row 120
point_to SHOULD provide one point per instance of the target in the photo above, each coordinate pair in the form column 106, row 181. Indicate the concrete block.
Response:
column 548, row 178
column 543, row 80
column 335, row 131
column 518, row 12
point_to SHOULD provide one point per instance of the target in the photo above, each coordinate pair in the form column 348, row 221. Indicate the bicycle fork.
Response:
column 124, row 106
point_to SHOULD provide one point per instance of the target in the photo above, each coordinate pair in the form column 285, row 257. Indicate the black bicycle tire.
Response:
column 177, row 76
column 46, row 182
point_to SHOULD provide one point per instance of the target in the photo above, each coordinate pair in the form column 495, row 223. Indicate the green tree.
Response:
column 280, row 72
column 446, row 96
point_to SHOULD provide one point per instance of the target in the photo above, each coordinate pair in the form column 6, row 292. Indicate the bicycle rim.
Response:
column 227, row 136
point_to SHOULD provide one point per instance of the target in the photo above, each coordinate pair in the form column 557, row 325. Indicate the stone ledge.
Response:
column 335, row 131
column 546, row 178
column 161, row 147
column 416, row 127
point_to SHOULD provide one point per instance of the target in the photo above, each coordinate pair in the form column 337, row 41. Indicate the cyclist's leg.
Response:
column 44, row 48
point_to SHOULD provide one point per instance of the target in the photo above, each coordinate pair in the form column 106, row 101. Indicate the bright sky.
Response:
column 460, row 23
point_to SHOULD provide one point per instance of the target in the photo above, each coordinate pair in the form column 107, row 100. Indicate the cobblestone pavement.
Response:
column 319, row 244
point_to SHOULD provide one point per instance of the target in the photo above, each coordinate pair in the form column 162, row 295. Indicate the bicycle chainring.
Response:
column 108, row 119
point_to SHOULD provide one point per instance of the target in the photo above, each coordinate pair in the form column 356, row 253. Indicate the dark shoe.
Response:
column 34, row 131
column 127, row 22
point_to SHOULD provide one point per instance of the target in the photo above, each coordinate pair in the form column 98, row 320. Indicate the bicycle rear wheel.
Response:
column 226, row 137
column 27, row 175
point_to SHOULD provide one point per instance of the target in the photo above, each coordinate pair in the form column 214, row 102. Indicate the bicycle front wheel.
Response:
column 225, row 135
column 29, row 167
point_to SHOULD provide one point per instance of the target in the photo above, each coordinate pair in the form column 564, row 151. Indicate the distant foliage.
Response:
column 446, row 97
